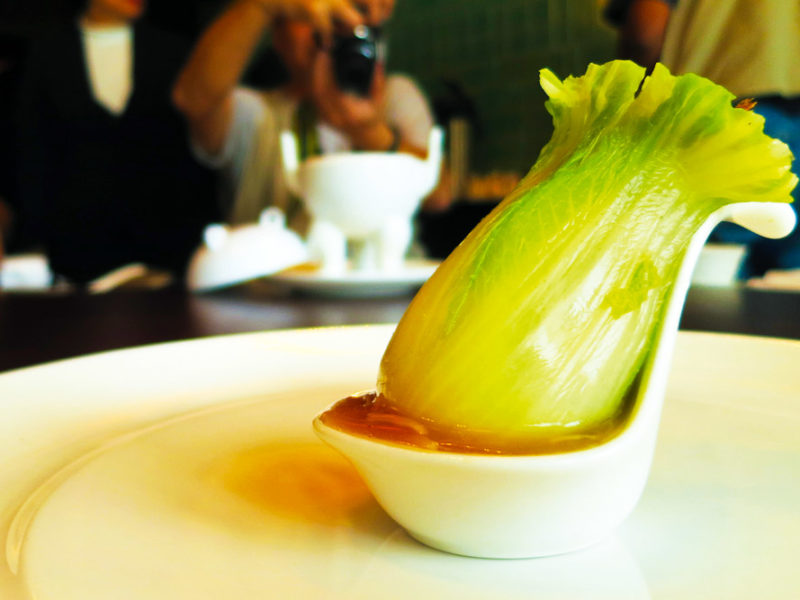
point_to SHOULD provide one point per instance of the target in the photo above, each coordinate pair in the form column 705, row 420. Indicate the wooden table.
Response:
column 37, row 328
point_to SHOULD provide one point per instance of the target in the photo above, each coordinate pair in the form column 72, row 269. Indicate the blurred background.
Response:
column 488, row 54
column 473, row 58
column 476, row 61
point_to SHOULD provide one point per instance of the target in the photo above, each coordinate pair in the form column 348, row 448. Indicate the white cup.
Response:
column 366, row 197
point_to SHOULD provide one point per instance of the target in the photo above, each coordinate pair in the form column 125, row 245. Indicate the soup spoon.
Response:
column 538, row 505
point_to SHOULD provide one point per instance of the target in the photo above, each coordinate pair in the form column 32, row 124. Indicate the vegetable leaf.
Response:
column 539, row 322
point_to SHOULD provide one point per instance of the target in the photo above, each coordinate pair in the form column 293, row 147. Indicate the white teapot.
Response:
column 368, row 198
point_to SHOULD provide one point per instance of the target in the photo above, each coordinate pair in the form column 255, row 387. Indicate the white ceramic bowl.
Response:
column 359, row 191
column 526, row 506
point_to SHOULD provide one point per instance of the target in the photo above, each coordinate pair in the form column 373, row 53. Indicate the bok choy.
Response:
column 539, row 322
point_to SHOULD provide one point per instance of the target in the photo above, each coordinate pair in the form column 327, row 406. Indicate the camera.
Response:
column 354, row 56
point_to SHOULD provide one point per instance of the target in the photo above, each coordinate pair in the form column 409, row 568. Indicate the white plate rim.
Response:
column 20, row 386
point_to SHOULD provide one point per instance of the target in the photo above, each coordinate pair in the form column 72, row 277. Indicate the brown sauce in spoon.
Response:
column 368, row 415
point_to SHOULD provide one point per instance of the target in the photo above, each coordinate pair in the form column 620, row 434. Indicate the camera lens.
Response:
column 354, row 56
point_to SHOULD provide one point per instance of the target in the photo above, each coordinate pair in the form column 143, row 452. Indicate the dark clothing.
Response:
column 8, row 141
column 100, row 190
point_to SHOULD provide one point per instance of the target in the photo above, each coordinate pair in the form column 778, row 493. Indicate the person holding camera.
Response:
column 336, row 96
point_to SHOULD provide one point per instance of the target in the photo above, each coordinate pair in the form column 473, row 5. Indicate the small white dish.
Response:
column 354, row 283
column 527, row 506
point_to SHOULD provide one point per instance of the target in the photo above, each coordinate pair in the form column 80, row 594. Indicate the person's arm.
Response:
column 203, row 92
column 642, row 33
column 407, row 109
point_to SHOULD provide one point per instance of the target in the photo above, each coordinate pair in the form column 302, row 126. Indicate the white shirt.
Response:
column 751, row 48
column 108, row 52
column 405, row 109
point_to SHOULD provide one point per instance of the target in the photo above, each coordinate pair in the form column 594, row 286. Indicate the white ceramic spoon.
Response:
column 525, row 506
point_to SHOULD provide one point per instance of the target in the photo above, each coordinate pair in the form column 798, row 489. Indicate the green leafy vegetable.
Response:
column 539, row 322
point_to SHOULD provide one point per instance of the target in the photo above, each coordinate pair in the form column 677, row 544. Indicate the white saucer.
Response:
column 357, row 284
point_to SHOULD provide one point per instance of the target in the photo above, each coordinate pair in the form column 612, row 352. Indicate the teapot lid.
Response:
column 234, row 254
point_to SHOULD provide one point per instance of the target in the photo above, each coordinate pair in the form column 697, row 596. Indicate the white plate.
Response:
column 194, row 474
column 358, row 284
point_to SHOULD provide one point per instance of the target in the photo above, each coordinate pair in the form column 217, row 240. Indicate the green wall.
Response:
column 494, row 49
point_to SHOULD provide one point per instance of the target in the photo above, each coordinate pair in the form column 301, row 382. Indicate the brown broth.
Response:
column 368, row 415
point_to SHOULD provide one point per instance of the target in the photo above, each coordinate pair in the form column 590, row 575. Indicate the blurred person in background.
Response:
column 237, row 129
column 752, row 49
column 107, row 178
column 10, row 55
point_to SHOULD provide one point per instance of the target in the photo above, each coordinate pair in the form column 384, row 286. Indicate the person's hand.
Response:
column 358, row 118
column 321, row 14
column 376, row 11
